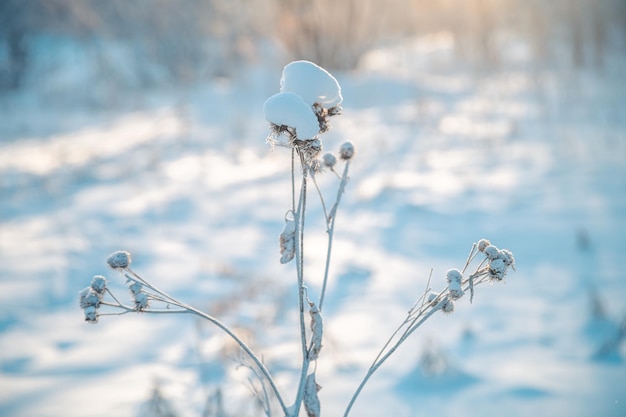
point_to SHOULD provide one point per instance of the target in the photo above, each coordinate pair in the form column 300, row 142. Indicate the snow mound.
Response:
column 311, row 82
column 288, row 109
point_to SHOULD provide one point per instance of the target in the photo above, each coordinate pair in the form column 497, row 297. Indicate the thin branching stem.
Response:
column 408, row 318
column 386, row 356
column 185, row 308
column 330, row 221
column 319, row 192
column 300, row 217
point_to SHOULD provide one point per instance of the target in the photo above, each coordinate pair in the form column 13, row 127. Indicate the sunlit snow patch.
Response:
column 311, row 82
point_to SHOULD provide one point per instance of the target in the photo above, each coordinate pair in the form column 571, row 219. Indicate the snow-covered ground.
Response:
column 534, row 160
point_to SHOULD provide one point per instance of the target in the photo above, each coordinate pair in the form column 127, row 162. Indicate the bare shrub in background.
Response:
column 167, row 41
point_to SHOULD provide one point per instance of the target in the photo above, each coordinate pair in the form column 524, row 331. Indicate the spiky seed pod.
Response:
column 89, row 298
column 347, row 151
column 455, row 291
column 141, row 301
column 497, row 269
column 432, row 297
column 135, row 288
column 119, row 260
column 329, row 160
column 492, row 252
column 455, row 279
column 310, row 399
column 454, row 275
column 447, row 306
column 317, row 329
column 287, row 241
column 99, row 284
column 482, row 244
column 507, row 256
column 91, row 314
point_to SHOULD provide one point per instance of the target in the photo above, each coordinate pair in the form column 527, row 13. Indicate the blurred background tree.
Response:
column 161, row 41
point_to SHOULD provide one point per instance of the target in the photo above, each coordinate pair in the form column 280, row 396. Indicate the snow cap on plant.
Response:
column 454, row 275
column 311, row 82
column 308, row 97
column 119, row 260
column 455, row 279
column 347, row 151
column 286, row 111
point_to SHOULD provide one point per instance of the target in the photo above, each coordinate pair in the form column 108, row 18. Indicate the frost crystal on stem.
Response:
column 317, row 328
column 311, row 400
column 287, row 241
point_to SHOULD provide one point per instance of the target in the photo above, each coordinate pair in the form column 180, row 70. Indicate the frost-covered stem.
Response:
column 410, row 319
column 246, row 349
column 189, row 309
column 330, row 221
column 319, row 193
column 293, row 180
column 145, row 283
column 299, row 254
column 382, row 360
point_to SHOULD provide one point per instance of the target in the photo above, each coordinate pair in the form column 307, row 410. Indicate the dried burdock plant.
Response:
column 298, row 115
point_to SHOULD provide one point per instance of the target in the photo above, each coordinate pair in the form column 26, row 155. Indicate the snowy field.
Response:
column 534, row 160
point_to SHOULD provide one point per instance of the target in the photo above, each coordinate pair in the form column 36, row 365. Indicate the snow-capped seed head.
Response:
column 455, row 291
column 492, row 252
column 507, row 256
column 329, row 160
column 347, row 151
column 497, row 269
column 432, row 296
column 454, row 275
column 135, row 288
column 482, row 244
column 91, row 314
column 289, row 110
column 447, row 306
column 311, row 82
column 141, row 301
column 120, row 259
column 99, row 284
column 89, row 298
column 314, row 147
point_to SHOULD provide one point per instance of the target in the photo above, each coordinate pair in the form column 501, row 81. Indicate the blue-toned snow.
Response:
column 535, row 161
